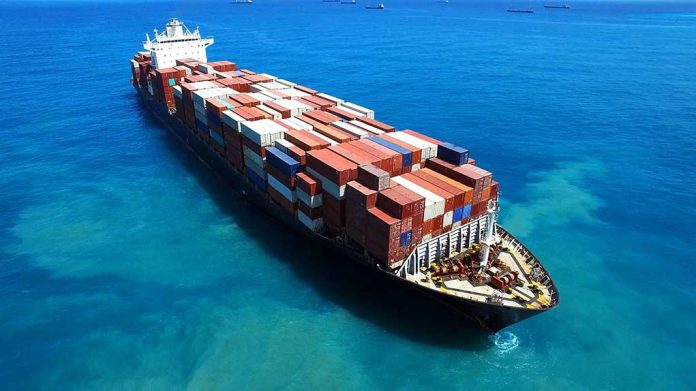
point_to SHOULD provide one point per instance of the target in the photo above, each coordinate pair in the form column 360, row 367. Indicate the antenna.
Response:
column 489, row 239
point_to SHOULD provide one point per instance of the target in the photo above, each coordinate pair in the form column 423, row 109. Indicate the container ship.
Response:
column 417, row 210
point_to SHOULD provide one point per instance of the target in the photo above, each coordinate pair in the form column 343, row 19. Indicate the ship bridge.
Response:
column 176, row 42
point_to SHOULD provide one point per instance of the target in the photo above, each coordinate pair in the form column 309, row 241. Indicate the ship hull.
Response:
column 491, row 317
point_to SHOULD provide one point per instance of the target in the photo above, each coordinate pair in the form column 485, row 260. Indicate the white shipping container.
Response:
column 321, row 136
column 254, row 167
column 298, row 124
column 314, row 225
column 232, row 120
column 296, row 108
column 415, row 167
column 263, row 132
column 314, row 201
column 328, row 97
column 253, row 156
column 276, row 115
column 367, row 127
column 447, row 218
column 283, row 145
column 258, row 87
column 328, row 186
column 272, row 86
column 295, row 94
column 284, row 191
column 205, row 68
column 368, row 113
column 203, row 85
column 352, row 129
column 353, row 112
column 268, row 76
column 260, row 97
column 286, row 82
column 434, row 204
column 272, row 95
column 429, row 149
column 199, row 96
column 177, row 91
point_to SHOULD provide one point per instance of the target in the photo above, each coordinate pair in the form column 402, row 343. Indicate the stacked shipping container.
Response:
column 325, row 161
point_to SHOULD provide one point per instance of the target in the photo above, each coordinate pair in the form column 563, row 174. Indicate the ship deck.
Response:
column 534, row 289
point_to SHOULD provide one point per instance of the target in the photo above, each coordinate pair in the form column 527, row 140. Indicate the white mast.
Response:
column 489, row 239
column 176, row 42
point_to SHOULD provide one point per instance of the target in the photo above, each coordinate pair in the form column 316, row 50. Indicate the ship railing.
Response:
column 443, row 246
column 518, row 247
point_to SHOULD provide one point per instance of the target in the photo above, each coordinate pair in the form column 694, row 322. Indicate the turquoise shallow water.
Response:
column 126, row 264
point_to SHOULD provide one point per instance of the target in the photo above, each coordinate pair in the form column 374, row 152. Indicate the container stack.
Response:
column 324, row 161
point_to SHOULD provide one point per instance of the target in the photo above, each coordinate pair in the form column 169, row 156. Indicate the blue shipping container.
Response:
column 201, row 126
column 217, row 137
column 406, row 153
column 466, row 211
column 280, row 160
column 214, row 119
column 172, row 81
column 256, row 179
column 405, row 238
column 458, row 214
column 452, row 154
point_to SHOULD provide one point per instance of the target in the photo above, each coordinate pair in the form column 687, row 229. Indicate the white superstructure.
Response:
column 176, row 42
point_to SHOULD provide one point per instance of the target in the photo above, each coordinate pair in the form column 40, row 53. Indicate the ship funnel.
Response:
column 174, row 28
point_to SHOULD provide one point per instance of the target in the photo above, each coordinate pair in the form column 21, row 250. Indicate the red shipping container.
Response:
column 244, row 100
column 305, row 89
column 395, row 203
column 314, row 106
column 332, row 166
column 259, row 150
column 236, row 83
column 277, row 174
column 468, row 191
column 374, row 123
column 385, row 162
column 422, row 136
column 298, row 154
column 308, row 184
column 397, row 158
column 213, row 105
column 328, row 131
column 282, row 201
column 312, row 213
column 470, row 175
column 334, row 211
column 359, row 159
column 321, row 116
column 416, row 153
column 322, row 103
column 257, row 78
column 305, row 141
column 284, row 112
column 449, row 197
column 248, row 72
column 361, row 195
column 440, row 166
column 341, row 113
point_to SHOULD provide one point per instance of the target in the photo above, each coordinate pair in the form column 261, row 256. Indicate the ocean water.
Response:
column 126, row 264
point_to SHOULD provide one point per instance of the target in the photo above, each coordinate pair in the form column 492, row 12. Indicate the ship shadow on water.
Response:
column 357, row 288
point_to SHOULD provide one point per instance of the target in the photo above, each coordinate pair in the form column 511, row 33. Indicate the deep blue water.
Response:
column 126, row 264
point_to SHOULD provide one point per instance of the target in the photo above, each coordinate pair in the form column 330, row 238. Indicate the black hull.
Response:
column 491, row 317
